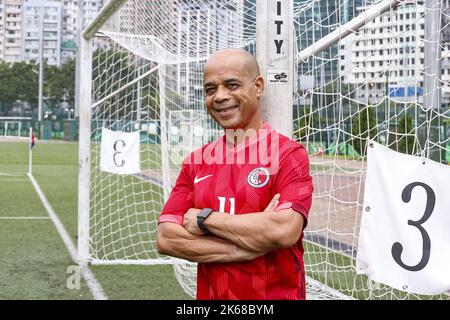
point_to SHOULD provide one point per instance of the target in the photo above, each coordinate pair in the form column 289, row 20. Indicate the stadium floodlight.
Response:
column 359, row 73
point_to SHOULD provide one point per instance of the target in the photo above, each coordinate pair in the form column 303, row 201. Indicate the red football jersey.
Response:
column 240, row 180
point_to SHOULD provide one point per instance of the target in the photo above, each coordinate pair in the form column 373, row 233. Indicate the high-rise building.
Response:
column 206, row 27
column 70, row 24
column 2, row 27
column 60, row 21
column 41, row 31
column 386, row 57
column 11, row 30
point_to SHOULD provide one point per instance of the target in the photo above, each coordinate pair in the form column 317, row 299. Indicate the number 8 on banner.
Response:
column 404, row 240
column 120, row 152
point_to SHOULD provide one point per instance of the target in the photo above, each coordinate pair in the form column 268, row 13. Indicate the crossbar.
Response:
column 346, row 29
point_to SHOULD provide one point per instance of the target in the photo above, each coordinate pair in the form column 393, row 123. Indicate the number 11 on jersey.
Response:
column 222, row 201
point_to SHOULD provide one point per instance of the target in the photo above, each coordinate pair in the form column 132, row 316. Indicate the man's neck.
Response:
column 239, row 135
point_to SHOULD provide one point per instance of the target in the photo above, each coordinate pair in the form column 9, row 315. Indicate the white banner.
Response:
column 404, row 240
column 120, row 152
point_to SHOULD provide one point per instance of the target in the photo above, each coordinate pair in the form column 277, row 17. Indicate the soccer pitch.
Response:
column 34, row 260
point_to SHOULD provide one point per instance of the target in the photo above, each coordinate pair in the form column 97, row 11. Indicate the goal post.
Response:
column 84, row 151
column 275, row 54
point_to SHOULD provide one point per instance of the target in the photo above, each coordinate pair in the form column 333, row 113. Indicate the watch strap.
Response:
column 201, row 217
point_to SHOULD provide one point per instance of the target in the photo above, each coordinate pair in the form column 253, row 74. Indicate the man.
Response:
column 242, row 222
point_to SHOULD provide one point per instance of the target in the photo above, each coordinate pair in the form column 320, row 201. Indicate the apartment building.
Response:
column 11, row 30
column 42, row 31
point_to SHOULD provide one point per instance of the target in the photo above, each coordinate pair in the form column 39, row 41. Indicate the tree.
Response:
column 60, row 81
column 19, row 81
column 6, row 96
column 364, row 126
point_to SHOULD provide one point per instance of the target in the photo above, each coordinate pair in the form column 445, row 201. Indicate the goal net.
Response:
column 144, row 63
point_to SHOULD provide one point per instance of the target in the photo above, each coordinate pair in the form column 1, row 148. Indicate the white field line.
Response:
column 24, row 218
column 12, row 175
column 87, row 274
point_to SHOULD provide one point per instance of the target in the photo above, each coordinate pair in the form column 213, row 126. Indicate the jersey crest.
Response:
column 258, row 178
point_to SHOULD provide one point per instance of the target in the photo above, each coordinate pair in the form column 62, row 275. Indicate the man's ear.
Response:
column 259, row 84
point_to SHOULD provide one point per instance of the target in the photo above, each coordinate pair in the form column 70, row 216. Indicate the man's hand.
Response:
column 190, row 222
column 273, row 203
column 190, row 218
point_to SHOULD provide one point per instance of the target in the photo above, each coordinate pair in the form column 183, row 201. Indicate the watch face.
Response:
column 204, row 213
column 201, row 216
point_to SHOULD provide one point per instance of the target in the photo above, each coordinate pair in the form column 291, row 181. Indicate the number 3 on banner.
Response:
column 397, row 248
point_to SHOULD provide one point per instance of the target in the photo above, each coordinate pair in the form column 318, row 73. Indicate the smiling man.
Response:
column 240, row 211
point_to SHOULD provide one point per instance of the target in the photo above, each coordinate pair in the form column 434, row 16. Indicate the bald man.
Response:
column 242, row 221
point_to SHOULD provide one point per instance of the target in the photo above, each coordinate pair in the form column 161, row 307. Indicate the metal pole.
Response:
column 275, row 54
column 138, row 89
column 165, row 131
column 80, row 19
column 41, row 68
column 187, row 73
column 110, row 8
column 432, row 76
column 30, row 151
column 179, row 52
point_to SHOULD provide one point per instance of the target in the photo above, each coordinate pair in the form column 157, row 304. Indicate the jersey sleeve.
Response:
column 181, row 198
column 294, row 183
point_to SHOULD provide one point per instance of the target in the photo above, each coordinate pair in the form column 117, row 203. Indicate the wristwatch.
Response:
column 201, row 217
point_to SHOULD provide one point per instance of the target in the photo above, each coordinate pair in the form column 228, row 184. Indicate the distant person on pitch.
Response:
column 240, row 203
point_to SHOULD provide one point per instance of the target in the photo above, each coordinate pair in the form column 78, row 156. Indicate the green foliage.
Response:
column 332, row 94
column 405, row 142
column 364, row 126
column 303, row 117
column 19, row 81
column 60, row 81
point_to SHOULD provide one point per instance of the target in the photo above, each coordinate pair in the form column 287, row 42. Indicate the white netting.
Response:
column 368, row 84
column 181, row 31
column 147, row 77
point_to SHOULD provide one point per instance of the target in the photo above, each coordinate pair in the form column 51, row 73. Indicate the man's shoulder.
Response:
column 288, row 145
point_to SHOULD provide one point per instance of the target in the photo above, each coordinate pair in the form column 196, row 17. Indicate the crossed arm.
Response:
column 176, row 241
column 233, row 238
